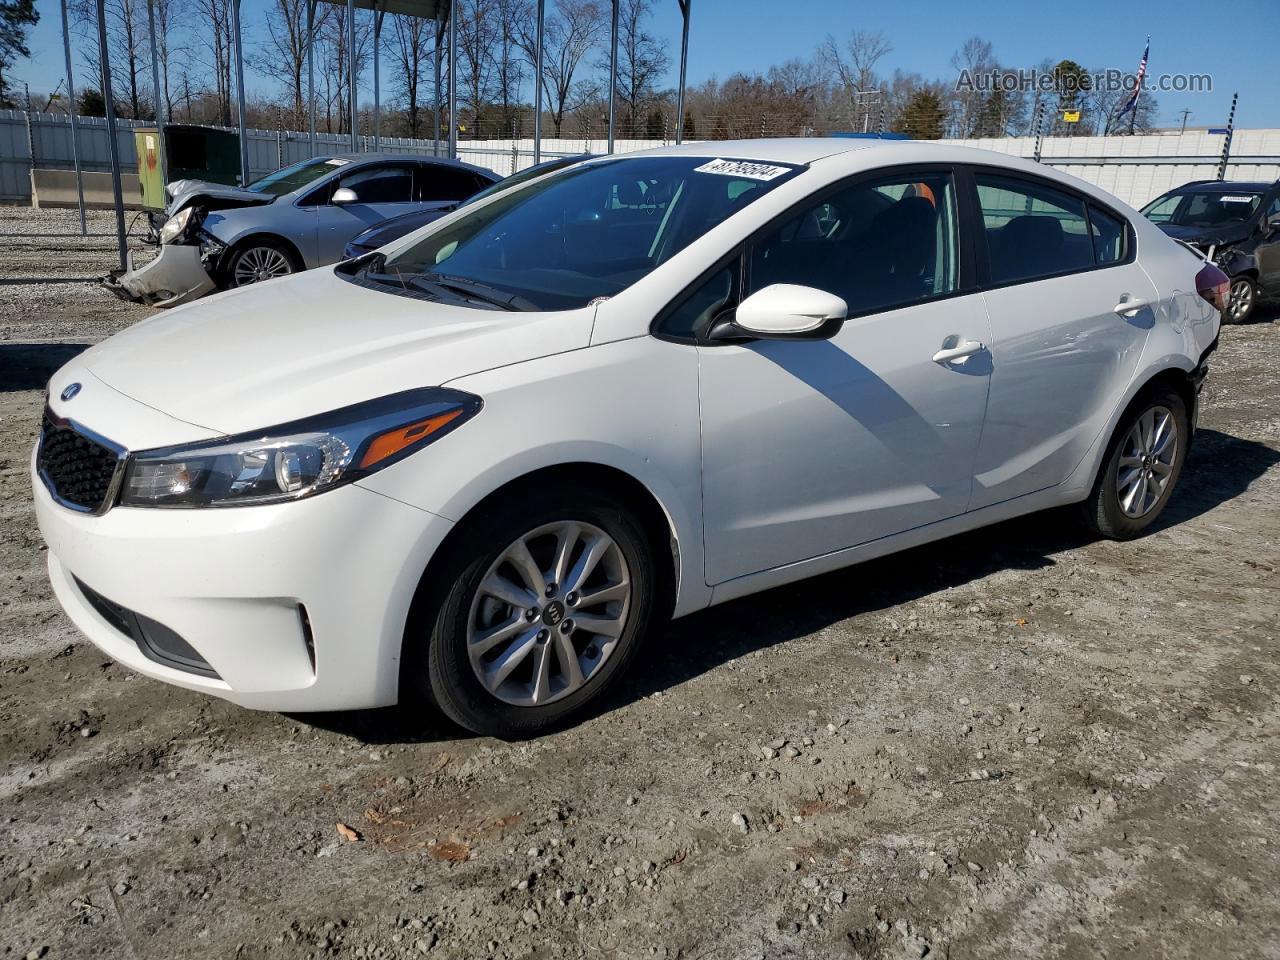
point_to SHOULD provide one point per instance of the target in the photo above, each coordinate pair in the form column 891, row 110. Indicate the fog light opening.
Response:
column 307, row 637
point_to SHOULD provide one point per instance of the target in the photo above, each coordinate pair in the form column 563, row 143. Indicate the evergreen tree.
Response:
column 16, row 16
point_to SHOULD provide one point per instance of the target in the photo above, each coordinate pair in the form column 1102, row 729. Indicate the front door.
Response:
column 1268, row 252
column 812, row 447
column 1064, row 347
column 382, row 191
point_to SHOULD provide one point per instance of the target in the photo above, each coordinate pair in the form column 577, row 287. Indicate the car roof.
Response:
column 1224, row 186
column 412, row 157
column 801, row 150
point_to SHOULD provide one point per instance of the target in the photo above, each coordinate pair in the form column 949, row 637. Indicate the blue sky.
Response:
column 1236, row 47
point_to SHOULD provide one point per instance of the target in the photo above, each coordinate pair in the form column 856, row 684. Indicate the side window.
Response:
column 692, row 316
column 380, row 184
column 437, row 183
column 1273, row 211
column 1108, row 236
column 1033, row 229
column 877, row 244
column 1163, row 210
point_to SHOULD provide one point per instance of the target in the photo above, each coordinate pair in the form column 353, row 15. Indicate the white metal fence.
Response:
column 1135, row 169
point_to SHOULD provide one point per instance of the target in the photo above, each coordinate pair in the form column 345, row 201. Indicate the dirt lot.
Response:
column 1018, row 743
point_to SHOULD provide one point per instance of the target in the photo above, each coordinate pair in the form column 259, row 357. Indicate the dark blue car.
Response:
column 380, row 234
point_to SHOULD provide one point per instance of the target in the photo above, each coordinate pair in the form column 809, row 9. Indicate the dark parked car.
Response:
column 380, row 234
column 1238, row 224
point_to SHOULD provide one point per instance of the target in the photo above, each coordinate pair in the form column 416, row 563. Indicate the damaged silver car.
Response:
column 302, row 216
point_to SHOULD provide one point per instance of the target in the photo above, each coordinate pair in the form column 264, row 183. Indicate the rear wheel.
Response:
column 544, row 605
column 1241, row 299
column 260, row 260
column 1142, row 466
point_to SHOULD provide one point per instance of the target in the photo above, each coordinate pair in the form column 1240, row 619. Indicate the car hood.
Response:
column 313, row 342
column 186, row 192
column 1203, row 236
column 380, row 234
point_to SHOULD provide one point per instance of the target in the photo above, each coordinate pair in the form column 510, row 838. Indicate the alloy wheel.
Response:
column 548, row 613
column 1146, row 461
column 260, row 263
column 1240, row 299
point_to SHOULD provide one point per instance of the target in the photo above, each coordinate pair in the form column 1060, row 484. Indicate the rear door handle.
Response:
column 961, row 351
column 1130, row 305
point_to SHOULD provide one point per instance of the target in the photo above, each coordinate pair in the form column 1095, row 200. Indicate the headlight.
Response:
column 175, row 225
column 297, row 459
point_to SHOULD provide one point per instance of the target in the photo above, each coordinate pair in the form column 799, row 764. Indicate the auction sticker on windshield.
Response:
column 1237, row 199
column 742, row 168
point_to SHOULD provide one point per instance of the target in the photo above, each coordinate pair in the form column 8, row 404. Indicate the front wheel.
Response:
column 1241, row 299
column 544, row 605
column 260, row 260
column 1142, row 466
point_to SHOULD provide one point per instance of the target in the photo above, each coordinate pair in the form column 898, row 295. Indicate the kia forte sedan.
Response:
column 481, row 465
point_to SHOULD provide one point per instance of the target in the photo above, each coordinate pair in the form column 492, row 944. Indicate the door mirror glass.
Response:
column 344, row 195
column 787, row 311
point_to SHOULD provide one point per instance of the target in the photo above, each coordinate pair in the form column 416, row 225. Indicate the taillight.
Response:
column 1214, row 286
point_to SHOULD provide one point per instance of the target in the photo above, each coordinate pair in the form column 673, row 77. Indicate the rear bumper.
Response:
column 298, row 606
column 176, row 276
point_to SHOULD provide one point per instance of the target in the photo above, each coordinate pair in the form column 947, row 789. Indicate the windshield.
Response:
column 588, row 232
column 1205, row 208
column 525, row 175
column 289, row 179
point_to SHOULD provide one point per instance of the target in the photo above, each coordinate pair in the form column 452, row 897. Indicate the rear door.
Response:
column 439, row 187
column 1059, row 270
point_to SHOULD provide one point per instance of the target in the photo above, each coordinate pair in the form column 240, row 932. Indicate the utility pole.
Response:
column 1186, row 112
column 1226, row 141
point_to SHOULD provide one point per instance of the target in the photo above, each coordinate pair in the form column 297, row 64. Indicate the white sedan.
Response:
column 478, row 466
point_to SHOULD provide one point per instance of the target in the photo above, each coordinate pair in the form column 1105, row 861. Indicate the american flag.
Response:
column 1131, row 103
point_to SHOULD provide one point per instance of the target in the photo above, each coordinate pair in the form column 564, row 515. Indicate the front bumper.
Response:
column 176, row 276
column 294, row 607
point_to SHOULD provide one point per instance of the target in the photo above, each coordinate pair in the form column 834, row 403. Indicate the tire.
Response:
column 258, row 260
column 1241, row 300
column 1114, row 509
column 443, row 660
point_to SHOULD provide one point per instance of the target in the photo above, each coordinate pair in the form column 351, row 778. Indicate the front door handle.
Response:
column 961, row 351
column 1128, row 306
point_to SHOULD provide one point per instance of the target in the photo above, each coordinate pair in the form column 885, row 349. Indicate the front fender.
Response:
column 629, row 405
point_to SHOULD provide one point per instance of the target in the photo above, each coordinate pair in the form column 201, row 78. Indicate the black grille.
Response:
column 77, row 469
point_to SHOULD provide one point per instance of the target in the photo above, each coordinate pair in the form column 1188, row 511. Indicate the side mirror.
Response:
column 785, row 311
column 344, row 195
column 1271, row 226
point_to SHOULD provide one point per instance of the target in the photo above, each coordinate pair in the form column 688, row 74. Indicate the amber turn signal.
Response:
column 393, row 441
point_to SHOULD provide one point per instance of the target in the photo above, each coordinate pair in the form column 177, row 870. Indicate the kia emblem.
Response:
column 70, row 391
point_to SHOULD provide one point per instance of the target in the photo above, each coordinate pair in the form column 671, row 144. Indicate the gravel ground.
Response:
column 1017, row 743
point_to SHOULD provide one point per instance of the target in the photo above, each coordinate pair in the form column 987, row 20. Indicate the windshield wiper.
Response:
column 482, row 292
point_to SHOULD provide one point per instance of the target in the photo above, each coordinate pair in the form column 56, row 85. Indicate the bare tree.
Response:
column 334, row 55
column 571, row 31
column 478, row 38
column 967, row 104
column 641, row 59
column 413, row 42
column 126, row 39
column 283, row 56
column 218, row 41
column 853, row 70
column 510, row 64
column 169, row 46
